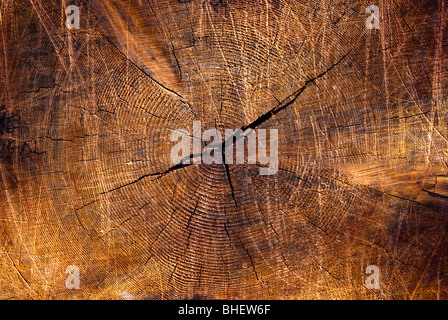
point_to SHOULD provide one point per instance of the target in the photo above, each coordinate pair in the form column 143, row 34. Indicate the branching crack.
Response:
column 290, row 99
column 263, row 118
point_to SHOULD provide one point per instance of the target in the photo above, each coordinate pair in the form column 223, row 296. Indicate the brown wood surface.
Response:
column 86, row 177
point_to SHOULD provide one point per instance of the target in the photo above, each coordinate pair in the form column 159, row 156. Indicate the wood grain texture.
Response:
column 86, row 177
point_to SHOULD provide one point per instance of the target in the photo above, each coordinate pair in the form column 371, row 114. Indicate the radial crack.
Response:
column 290, row 99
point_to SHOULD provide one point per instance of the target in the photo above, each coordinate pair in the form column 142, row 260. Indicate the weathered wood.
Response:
column 86, row 176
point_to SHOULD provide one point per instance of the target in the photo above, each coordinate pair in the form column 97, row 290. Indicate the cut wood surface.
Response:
column 86, row 177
